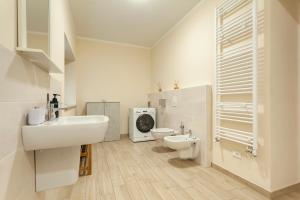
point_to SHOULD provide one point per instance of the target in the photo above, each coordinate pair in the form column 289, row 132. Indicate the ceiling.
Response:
column 138, row 22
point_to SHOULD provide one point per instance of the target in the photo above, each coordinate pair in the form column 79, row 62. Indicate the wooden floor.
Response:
column 123, row 170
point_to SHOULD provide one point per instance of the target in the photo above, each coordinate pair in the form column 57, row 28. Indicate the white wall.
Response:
column 112, row 72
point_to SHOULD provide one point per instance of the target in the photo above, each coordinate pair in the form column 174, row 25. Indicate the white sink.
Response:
column 65, row 132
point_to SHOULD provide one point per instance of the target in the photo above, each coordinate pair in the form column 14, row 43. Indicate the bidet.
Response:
column 188, row 146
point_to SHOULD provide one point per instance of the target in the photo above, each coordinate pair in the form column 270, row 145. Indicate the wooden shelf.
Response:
column 85, row 167
column 39, row 58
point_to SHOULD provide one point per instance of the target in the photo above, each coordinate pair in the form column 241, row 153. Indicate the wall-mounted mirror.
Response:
column 34, row 33
column 70, row 76
column 34, row 24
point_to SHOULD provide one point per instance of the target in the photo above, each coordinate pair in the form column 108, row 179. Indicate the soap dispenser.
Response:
column 55, row 104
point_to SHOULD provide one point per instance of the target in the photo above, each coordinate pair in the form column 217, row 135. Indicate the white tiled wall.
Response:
column 22, row 86
column 192, row 106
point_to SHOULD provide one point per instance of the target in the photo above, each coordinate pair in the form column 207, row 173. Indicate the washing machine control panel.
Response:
column 144, row 110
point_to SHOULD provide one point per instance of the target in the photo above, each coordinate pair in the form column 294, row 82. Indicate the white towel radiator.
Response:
column 236, row 73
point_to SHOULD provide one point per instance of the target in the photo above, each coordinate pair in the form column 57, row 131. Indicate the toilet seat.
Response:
column 160, row 133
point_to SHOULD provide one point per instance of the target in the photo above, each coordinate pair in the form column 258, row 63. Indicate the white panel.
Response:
column 112, row 110
column 57, row 167
column 95, row 108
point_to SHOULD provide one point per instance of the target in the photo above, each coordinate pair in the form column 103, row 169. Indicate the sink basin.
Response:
column 65, row 132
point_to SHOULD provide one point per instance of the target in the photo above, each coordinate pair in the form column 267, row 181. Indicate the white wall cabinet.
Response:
column 110, row 109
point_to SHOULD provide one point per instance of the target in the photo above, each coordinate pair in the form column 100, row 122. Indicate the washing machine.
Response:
column 141, row 121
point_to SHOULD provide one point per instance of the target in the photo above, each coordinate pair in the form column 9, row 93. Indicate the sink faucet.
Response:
column 181, row 128
column 189, row 132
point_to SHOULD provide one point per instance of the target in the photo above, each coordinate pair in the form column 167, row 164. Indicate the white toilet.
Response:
column 187, row 146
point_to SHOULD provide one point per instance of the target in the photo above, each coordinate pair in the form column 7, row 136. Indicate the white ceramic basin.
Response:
column 160, row 133
column 180, row 142
column 65, row 132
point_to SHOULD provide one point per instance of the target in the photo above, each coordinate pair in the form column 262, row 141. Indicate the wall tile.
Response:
column 11, row 123
column 17, row 176
column 192, row 106
column 20, row 80
column 22, row 86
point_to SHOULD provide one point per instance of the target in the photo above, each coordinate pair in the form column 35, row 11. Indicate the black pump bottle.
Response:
column 55, row 103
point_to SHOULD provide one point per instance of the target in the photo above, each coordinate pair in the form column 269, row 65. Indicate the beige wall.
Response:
column 186, row 53
column 284, row 69
column 62, row 25
column 70, row 85
column 121, row 73
column 294, row 10
column 298, row 121
column 112, row 72
column 22, row 86
column 38, row 41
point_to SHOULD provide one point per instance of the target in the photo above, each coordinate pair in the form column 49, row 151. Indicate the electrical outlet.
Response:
column 237, row 155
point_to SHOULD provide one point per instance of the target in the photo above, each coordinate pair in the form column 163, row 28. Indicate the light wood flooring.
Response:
column 124, row 170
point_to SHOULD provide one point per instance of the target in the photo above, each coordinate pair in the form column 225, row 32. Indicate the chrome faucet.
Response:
column 181, row 128
column 189, row 132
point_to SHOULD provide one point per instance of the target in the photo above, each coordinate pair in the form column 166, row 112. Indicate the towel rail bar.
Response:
column 236, row 68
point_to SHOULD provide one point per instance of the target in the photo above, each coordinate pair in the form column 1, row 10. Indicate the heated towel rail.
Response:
column 236, row 73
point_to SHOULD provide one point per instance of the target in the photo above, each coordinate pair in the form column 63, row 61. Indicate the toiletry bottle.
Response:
column 55, row 104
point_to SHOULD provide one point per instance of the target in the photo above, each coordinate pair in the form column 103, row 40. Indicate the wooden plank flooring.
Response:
column 124, row 170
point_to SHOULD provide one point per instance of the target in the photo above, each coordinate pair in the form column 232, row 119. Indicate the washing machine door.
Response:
column 145, row 123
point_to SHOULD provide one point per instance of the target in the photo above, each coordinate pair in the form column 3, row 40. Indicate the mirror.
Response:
column 34, row 24
column 70, row 76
